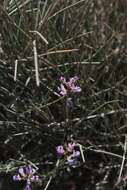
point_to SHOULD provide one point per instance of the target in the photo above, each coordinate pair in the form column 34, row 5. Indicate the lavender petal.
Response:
column 60, row 150
column 16, row 177
column 35, row 178
column 21, row 172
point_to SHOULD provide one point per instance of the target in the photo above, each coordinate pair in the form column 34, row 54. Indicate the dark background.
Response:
column 85, row 39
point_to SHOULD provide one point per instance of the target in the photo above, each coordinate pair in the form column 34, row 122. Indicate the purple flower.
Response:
column 63, row 90
column 27, row 187
column 68, row 86
column 17, row 177
column 69, row 152
column 72, row 158
column 60, row 150
column 72, row 85
column 29, row 170
column 76, row 154
column 35, row 178
column 71, row 161
column 71, row 147
column 27, row 174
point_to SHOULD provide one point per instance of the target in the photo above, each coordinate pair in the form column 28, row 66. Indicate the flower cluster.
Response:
column 68, row 87
column 27, row 174
column 69, row 152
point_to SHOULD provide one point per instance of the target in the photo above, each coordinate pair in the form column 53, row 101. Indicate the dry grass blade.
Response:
column 68, row 7
column 19, row 7
column 36, row 63
column 41, row 36
column 123, row 161
column 15, row 71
